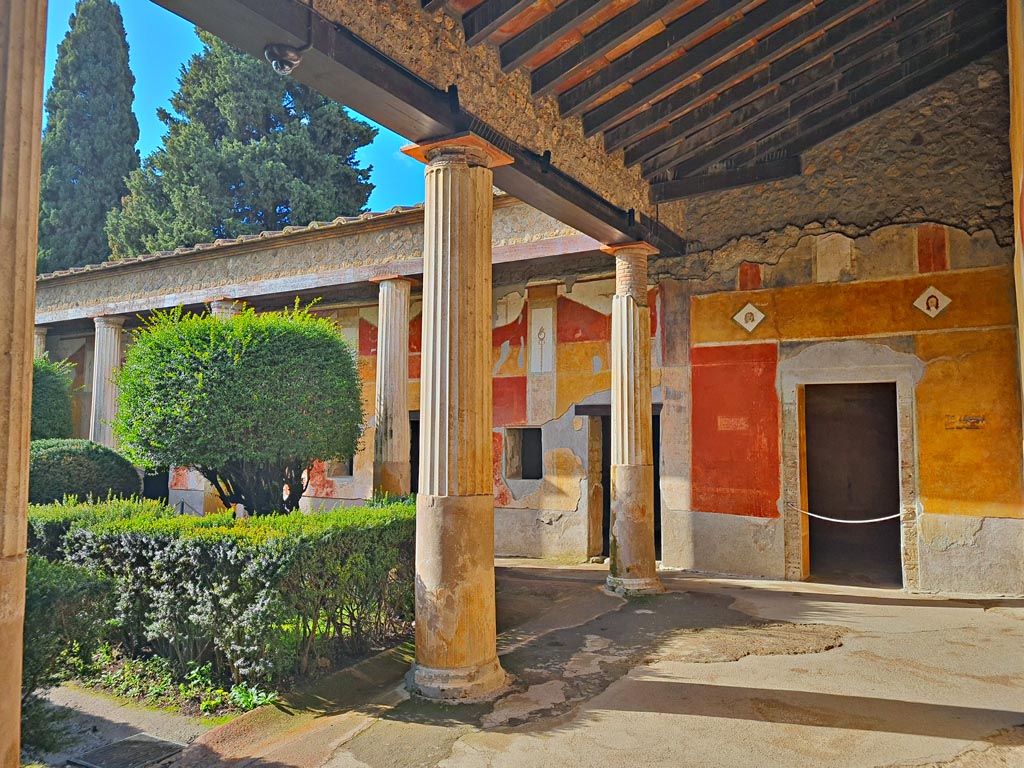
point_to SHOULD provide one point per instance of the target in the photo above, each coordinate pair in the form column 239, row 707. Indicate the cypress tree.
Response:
column 89, row 141
column 245, row 150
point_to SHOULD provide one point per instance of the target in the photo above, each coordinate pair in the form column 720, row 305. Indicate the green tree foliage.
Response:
column 51, row 398
column 249, row 401
column 246, row 150
column 89, row 142
column 81, row 468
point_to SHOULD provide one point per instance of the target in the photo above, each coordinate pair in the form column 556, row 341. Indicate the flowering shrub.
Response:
column 260, row 599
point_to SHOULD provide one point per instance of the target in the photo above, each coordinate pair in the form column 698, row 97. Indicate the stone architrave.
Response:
column 456, row 642
column 40, row 340
column 22, row 44
column 106, row 359
column 392, row 468
column 632, row 563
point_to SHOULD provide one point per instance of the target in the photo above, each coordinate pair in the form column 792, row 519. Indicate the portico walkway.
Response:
column 715, row 673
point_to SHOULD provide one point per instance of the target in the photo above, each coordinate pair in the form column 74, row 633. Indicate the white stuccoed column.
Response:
column 456, row 653
column 632, row 562
column 40, row 340
column 392, row 469
column 22, row 49
column 106, row 359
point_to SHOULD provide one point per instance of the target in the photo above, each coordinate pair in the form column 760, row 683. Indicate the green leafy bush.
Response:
column 259, row 599
column 82, row 468
column 249, row 401
column 51, row 399
column 66, row 609
column 49, row 524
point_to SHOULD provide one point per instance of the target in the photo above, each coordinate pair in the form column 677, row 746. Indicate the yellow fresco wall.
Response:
column 968, row 403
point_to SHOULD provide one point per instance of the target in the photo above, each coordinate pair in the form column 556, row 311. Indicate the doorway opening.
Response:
column 414, row 451
column 606, row 482
column 853, row 473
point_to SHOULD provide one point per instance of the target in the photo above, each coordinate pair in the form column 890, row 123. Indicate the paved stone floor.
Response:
column 714, row 673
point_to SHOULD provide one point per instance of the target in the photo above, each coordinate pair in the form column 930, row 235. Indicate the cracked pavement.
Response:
column 714, row 673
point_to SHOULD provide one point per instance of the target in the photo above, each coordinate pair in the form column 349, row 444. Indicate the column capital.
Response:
column 394, row 279
column 638, row 248
column 108, row 321
column 474, row 149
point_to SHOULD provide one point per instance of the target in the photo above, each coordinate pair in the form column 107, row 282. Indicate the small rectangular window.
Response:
column 339, row 468
column 524, row 453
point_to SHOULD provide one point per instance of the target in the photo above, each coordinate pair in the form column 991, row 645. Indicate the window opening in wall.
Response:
column 339, row 468
column 524, row 453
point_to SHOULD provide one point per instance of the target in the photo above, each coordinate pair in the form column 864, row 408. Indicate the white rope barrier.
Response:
column 845, row 522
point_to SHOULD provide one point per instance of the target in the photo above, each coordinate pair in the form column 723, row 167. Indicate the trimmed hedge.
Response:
column 261, row 599
column 66, row 609
column 49, row 524
column 51, row 399
column 81, row 468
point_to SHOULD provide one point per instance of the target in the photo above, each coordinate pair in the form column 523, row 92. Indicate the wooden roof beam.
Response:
column 870, row 17
column 694, row 61
column 605, row 38
column 821, row 118
column 760, row 173
column 549, row 30
column 827, row 79
column 491, row 15
column 826, row 122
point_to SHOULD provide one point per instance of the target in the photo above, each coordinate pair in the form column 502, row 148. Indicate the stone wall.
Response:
column 940, row 155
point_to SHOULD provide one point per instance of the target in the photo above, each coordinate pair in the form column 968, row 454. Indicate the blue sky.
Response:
column 160, row 42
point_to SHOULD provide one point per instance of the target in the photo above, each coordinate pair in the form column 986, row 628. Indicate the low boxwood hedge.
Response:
column 82, row 468
column 261, row 599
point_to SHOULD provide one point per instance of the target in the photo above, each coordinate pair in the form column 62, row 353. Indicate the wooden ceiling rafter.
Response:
column 895, row 52
column 695, row 60
column 796, row 56
column 706, row 95
column 537, row 37
column 491, row 15
column 606, row 38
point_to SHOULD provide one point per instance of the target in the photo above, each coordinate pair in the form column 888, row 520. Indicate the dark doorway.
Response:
column 414, row 451
column 155, row 484
column 853, row 474
column 606, row 482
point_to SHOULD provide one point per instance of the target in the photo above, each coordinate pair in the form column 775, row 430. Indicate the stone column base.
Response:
column 457, row 686
column 634, row 587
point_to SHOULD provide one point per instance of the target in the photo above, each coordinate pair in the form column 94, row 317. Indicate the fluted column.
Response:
column 22, row 44
column 632, row 563
column 392, row 469
column 456, row 654
column 40, row 340
column 105, row 360
column 225, row 307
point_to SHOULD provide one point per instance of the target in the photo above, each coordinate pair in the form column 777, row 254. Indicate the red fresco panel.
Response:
column 416, row 334
column 509, row 400
column 513, row 332
column 367, row 338
column 578, row 322
column 736, row 430
column 931, row 248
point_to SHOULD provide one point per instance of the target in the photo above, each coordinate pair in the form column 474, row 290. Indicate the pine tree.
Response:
column 246, row 150
column 89, row 141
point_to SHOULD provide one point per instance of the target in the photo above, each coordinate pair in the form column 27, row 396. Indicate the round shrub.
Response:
column 82, row 468
column 51, row 398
